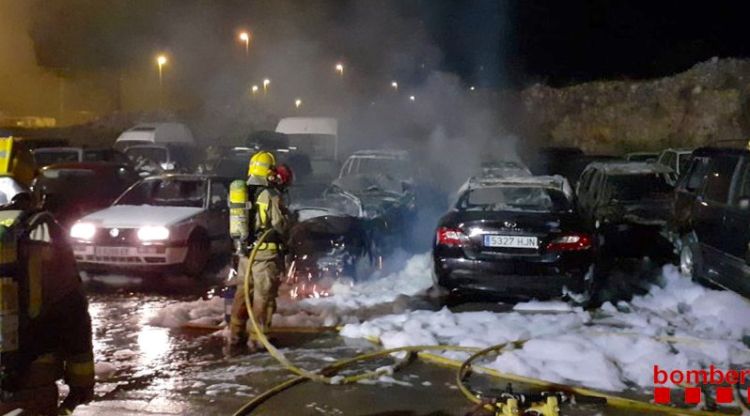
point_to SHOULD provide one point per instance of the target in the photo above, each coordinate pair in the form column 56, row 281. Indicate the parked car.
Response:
column 711, row 221
column 675, row 159
column 166, row 221
column 330, row 241
column 168, row 157
column 46, row 156
column 518, row 237
column 395, row 163
column 642, row 157
column 71, row 190
column 627, row 203
column 155, row 133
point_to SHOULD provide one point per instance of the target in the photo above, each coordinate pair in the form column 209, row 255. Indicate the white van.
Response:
column 155, row 134
column 316, row 137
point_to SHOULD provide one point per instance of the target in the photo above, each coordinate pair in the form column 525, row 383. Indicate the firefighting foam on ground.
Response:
column 350, row 208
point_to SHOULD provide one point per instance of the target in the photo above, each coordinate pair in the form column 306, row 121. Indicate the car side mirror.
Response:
column 22, row 201
column 744, row 203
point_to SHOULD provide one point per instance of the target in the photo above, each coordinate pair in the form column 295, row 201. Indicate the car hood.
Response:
column 135, row 216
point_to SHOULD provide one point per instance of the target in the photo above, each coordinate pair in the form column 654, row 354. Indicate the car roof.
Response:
column 629, row 168
column 678, row 150
column 377, row 153
column 95, row 166
column 186, row 176
column 556, row 182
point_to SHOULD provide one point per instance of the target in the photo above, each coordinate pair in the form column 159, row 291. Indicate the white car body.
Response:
column 116, row 242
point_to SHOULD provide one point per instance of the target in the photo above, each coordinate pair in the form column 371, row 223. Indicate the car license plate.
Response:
column 511, row 241
column 113, row 251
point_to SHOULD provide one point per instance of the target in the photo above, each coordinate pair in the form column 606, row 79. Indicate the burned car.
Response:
column 329, row 241
column 71, row 190
column 515, row 237
column 387, row 204
column 627, row 203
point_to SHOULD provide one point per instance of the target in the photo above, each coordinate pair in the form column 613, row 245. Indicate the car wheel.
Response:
column 690, row 260
column 198, row 254
column 587, row 296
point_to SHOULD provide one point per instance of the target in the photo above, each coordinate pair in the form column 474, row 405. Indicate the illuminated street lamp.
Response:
column 340, row 69
column 266, row 83
column 254, row 89
column 298, row 103
column 245, row 38
column 472, row 88
column 412, row 98
column 161, row 60
column 394, row 85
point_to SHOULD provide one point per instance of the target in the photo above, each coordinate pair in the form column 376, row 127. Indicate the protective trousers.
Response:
column 264, row 279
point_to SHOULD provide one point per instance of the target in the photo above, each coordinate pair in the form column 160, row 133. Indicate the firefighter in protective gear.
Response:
column 264, row 275
column 45, row 327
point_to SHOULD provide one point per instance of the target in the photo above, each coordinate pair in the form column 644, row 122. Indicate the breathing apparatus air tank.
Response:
column 239, row 228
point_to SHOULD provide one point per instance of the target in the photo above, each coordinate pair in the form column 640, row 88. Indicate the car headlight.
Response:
column 83, row 231
column 153, row 233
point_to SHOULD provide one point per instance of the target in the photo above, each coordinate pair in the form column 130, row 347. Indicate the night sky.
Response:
column 568, row 41
column 487, row 42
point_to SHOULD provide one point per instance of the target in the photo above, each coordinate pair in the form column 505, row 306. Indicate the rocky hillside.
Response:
column 706, row 103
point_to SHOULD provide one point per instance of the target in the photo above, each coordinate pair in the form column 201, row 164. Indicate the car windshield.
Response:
column 156, row 154
column 54, row 157
column 166, row 192
column 513, row 198
column 395, row 167
column 638, row 186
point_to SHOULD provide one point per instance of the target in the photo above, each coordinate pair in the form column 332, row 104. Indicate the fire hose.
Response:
column 546, row 405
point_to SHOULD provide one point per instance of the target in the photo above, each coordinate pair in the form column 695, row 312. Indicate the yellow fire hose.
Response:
column 326, row 375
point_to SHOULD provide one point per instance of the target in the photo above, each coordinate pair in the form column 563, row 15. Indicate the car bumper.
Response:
column 126, row 257
column 515, row 279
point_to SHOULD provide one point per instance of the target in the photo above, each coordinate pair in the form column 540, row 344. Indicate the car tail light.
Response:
column 570, row 242
column 451, row 237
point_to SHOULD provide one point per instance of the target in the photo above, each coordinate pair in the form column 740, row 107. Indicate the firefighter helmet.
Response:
column 284, row 175
column 261, row 164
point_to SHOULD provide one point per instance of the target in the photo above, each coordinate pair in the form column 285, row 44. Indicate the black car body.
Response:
column 71, row 190
column 386, row 204
column 627, row 203
column 711, row 218
column 329, row 241
column 518, row 237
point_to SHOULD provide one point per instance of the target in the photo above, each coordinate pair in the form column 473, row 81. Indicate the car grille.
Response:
column 125, row 237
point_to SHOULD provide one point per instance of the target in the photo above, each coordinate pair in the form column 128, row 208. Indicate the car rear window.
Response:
column 54, row 157
column 513, row 198
column 635, row 187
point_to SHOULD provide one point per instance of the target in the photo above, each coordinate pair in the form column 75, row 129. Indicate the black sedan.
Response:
column 518, row 238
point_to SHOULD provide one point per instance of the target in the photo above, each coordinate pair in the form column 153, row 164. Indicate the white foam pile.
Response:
column 677, row 325
column 377, row 296
column 614, row 348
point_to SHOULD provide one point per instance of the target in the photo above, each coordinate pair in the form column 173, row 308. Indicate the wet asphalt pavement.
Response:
column 147, row 370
